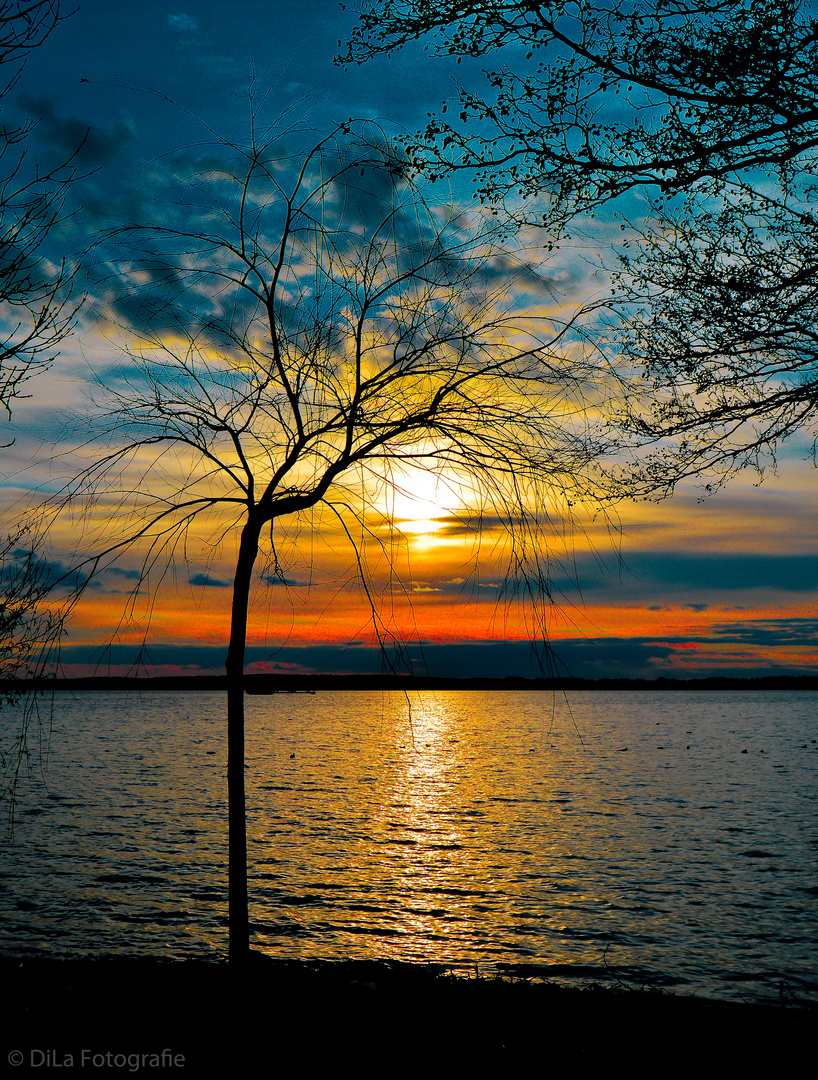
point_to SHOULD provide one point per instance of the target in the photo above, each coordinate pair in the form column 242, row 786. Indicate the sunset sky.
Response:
column 685, row 587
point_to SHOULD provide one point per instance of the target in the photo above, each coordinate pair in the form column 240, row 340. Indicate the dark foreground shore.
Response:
column 274, row 1018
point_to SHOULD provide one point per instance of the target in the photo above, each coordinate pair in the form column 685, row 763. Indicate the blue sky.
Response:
column 117, row 67
column 724, row 586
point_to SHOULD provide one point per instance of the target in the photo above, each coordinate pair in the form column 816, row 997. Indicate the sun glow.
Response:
column 420, row 502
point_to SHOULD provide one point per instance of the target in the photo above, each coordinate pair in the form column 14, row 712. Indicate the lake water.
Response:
column 660, row 838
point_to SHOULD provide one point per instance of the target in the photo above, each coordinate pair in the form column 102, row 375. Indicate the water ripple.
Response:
column 478, row 832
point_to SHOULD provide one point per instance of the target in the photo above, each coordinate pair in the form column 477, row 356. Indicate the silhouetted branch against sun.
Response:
column 295, row 324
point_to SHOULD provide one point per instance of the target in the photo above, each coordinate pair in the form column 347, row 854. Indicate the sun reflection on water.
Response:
column 424, row 820
column 473, row 829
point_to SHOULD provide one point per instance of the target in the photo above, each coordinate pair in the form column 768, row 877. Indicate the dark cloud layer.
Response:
column 592, row 658
column 652, row 573
column 71, row 137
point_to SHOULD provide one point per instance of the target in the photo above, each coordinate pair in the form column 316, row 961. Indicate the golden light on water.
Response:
column 424, row 822
column 442, row 819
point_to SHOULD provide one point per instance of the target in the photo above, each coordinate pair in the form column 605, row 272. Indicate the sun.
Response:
column 419, row 502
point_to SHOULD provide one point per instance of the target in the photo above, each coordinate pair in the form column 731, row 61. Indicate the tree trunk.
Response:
column 239, row 927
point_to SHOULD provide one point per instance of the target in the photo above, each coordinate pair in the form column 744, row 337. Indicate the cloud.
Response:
column 51, row 572
column 655, row 581
column 503, row 268
column 72, row 137
column 751, row 649
column 647, row 573
column 119, row 571
column 187, row 24
column 795, row 631
column 206, row 581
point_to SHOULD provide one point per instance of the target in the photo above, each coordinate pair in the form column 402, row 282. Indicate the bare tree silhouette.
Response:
column 716, row 321
column 36, row 313
column 299, row 331
column 35, row 308
column 31, row 626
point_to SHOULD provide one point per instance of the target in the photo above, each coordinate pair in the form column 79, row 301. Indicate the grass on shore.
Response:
column 385, row 1018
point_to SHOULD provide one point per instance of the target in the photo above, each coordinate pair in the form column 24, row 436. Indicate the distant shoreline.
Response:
column 272, row 684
